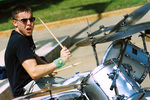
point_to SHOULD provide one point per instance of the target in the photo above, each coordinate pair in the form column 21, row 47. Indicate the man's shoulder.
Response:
column 15, row 36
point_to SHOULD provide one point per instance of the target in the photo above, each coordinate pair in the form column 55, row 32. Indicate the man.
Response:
column 22, row 64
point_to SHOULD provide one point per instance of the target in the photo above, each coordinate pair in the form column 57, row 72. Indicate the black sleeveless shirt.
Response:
column 19, row 48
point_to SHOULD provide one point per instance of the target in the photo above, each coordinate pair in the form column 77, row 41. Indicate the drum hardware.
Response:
column 50, row 92
column 128, row 68
column 142, row 35
column 143, row 92
column 102, row 29
column 144, row 43
column 88, row 27
column 114, row 76
column 95, row 54
column 117, row 71
column 118, row 97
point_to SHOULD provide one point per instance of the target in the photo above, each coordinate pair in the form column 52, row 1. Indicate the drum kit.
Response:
column 123, row 68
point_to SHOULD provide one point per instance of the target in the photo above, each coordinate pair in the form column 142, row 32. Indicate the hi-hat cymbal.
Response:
column 48, row 88
column 124, row 32
column 102, row 30
column 85, row 42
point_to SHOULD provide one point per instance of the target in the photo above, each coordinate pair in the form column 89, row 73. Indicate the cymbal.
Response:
column 102, row 30
column 48, row 88
column 129, row 19
column 85, row 42
column 123, row 33
column 132, row 18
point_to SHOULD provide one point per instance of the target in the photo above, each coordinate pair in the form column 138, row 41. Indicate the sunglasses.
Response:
column 24, row 20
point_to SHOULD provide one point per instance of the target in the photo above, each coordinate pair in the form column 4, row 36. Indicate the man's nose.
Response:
column 28, row 22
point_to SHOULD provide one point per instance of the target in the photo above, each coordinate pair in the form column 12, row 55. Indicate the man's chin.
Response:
column 29, row 34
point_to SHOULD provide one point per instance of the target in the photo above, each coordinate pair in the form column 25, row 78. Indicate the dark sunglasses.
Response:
column 26, row 19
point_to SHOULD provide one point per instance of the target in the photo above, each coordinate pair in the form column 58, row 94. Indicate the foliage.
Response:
column 54, row 10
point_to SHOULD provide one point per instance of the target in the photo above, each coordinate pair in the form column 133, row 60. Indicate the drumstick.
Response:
column 73, row 65
column 51, row 33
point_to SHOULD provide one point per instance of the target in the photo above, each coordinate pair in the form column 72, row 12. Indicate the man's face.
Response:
column 24, row 23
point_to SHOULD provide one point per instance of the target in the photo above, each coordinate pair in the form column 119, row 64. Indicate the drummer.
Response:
column 24, row 67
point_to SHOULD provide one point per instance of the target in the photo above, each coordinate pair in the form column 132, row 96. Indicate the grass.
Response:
column 54, row 10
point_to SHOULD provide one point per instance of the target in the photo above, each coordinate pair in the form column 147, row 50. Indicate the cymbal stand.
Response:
column 93, row 45
column 116, row 73
column 95, row 53
column 145, row 48
column 49, row 86
column 144, row 44
column 143, row 39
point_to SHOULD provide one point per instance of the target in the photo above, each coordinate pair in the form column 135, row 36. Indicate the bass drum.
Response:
column 100, row 81
column 135, row 59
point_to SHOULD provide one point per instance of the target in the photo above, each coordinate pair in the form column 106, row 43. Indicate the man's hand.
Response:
column 53, row 73
column 65, row 54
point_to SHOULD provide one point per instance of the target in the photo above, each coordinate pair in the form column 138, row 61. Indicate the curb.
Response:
column 75, row 20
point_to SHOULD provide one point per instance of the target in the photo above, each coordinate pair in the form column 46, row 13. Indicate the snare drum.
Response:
column 99, row 83
column 135, row 57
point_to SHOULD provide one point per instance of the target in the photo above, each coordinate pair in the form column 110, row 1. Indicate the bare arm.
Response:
column 36, row 71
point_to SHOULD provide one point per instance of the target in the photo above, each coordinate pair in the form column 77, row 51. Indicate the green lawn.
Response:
column 54, row 10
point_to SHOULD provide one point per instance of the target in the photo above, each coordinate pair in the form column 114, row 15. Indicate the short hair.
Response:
column 19, row 9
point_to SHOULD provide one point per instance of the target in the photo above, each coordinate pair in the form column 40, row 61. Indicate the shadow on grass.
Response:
column 97, row 7
column 6, row 6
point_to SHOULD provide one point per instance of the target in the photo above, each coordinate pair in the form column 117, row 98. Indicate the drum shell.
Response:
column 134, row 56
column 99, row 83
column 144, row 94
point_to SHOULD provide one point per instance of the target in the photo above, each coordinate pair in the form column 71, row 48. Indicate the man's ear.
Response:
column 15, row 23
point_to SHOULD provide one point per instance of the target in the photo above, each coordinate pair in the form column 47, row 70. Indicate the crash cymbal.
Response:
column 122, row 29
column 131, row 19
column 122, row 34
column 48, row 88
